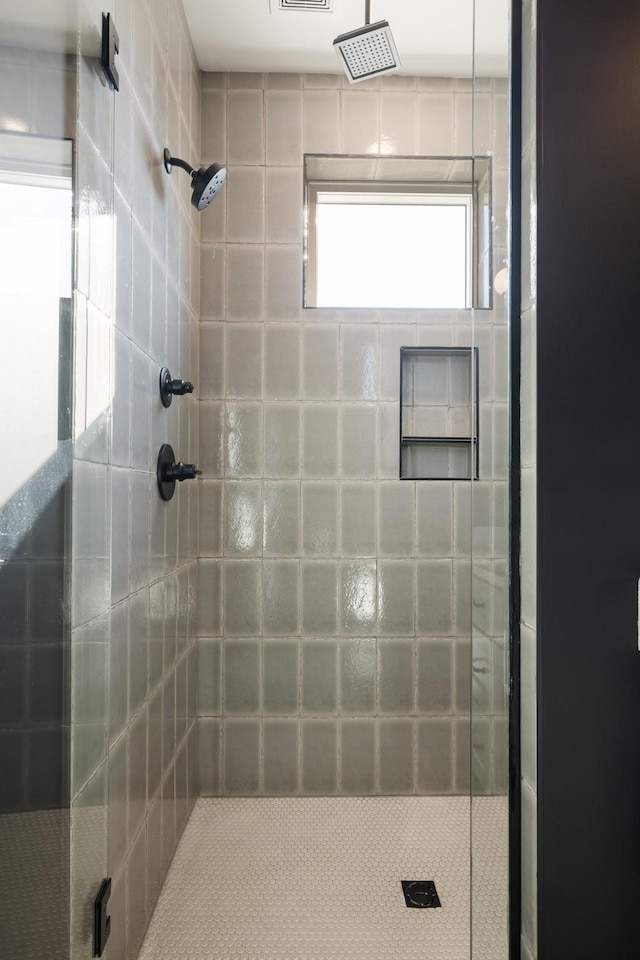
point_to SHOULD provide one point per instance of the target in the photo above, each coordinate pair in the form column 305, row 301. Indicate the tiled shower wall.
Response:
column 135, row 575
column 528, row 450
column 334, row 599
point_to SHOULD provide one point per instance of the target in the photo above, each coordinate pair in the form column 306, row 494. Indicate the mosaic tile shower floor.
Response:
column 319, row 879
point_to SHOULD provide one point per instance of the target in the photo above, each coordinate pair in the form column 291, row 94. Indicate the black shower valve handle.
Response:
column 180, row 387
column 170, row 387
column 180, row 471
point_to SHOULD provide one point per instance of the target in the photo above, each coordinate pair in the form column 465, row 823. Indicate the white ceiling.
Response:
column 433, row 37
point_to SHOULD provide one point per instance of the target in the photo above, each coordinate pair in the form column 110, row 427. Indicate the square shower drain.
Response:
column 420, row 893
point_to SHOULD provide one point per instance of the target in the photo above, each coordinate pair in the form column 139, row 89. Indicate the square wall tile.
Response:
column 319, row 598
column 396, row 680
column 320, row 440
column 246, row 205
column 434, row 676
column 462, row 774
column 284, row 127
column 243, row 518
column 213, row 281
column 435, row 756
column 245, row 127
column 396, row 601
column 245, row 282
column 214, row 126
column 241, row 754
column 358, row 598
column 395, row 757
column 284, row 282
column 211, row 459
column 320, row 377
column 280, row 749
column 388, row 461
column 434, row 519
column 319, row 519
column 209, row 677
column 359, row 347
column 435, row 124
column 398, row 122
column 285, row 205
column 210, row 518
column 392, row 338
column 242, row 598
column 282, row 362
column 280, row 677
column 358, row 519
column 280, row 587
column 358, row 441
column 243, row 439
column 244, row 361
column 209, row 753
column 319, row 677
column 242, row 677
column 281, row 505
column 358, row 676
column 319, row 757
column 396, row 519
column 360, row 122
column 358, row 757
column 282, row 439
column 321, row 121
column 434, row 598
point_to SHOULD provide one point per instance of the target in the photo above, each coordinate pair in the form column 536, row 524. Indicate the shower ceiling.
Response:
column 433, row 37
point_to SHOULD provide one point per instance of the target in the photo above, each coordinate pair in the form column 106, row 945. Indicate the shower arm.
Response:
column 170, row 162
column 176, row 162
column 367, row 12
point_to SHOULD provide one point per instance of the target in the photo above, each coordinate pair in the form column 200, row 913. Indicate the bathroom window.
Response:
column 391, row 245
column 397, row 232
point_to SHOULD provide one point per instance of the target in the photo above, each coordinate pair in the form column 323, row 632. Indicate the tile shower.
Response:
column 298, row 623
column 334, row 621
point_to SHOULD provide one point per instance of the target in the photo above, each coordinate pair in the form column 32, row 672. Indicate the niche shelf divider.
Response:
column 439, row 421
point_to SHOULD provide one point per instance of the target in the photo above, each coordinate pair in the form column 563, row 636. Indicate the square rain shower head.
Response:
column 367, row 52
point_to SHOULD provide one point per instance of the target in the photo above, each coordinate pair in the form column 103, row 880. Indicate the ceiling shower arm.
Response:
column 367, row 12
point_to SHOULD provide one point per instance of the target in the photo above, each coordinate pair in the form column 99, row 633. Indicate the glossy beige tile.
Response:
column 283, row 127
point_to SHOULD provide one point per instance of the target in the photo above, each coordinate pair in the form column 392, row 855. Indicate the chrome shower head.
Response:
column 368, row 51
column 206, row 182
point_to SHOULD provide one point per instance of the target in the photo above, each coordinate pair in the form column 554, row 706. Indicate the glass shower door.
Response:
column 90, row 581
column 37, row 79
column 489, row 506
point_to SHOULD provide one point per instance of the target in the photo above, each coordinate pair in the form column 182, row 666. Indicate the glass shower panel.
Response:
column 90, row 586
column 489, row 506
column 37, row 79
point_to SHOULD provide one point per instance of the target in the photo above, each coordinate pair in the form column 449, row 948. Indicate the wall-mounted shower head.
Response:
column 206, row 183
column 368, row 51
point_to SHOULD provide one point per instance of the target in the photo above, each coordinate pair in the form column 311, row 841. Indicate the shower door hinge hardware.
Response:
column 110, row 47
column 101, row 921
column 170, row 388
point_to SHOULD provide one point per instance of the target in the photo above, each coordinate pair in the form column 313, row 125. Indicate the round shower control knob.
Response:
column 169, row 472
column 169, row 388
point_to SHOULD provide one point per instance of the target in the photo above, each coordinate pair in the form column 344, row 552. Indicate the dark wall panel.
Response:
column 589, row 478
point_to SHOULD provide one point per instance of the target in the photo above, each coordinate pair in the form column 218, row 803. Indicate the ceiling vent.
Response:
column 317, row 6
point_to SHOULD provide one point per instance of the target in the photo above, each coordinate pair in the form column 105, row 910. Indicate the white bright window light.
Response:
column 393, row 250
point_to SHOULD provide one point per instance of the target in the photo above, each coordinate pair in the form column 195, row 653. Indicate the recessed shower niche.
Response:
column 438, row 413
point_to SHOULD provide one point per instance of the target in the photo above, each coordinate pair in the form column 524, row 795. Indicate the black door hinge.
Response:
column 101, row 921
column 110, row 47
